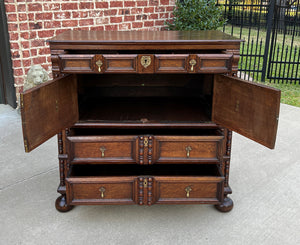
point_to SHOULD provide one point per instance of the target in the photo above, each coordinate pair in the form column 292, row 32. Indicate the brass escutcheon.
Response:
column 146, row 142
column 192, row 63
column 99, row 63
column 145, row 182
column 188, row 149
column 188, row 189
column 102, row 190
column 145, row 61
column 102, row 149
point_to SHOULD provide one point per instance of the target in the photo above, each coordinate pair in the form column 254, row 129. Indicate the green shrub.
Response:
column 196, row 15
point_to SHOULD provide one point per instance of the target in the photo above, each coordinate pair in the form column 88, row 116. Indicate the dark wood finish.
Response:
column 47, row 109
column 188, row 149
column 248, row 108
column 146, row 123
column 103, row 149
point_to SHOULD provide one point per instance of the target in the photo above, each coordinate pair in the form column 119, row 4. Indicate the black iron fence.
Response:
column 271, row 30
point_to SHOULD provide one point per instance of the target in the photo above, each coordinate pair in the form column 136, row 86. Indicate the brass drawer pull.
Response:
column 188, row 189
column 192, row 63
column 102, row 149
column 99, row 63
column 102, row 190
column 188, row 149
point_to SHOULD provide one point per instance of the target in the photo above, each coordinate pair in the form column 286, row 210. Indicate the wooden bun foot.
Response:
column 61, row 204
column 226, row 206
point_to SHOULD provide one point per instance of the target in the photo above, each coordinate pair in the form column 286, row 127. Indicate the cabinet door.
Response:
column 47, row 109
column 248, row 108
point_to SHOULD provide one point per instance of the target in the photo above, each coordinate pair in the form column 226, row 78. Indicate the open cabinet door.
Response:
column 47, row 109
column 247, row 108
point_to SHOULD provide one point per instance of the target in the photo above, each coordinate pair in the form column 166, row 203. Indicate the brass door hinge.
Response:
column 26, row 145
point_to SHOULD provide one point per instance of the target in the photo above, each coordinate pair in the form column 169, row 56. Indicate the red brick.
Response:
column 43, row 16
column 115, row 19
column 57, row 32
column 170, row 8
column 62, row 15
column 114, row 4
column 160, row 9
column 24, row 35
column 100, row 21
column 129, row 3
column 163, row 15
column 95, row 13
column 69, row 23
column 18, row 72
column 141, row 17
column 75, row 14
column 39, row 60
column 14, row 45
column 33, row 52
column 125, row 26
column 22, row 17
column 12, row 27
column 37, row 43
column 129, row 18
column 136, row 10
column 26, row 63
column 44, row 51
column 124, row 11
column 97, row 28
column 35, row 25
column 111, row 27
column 83, row 5
column 52, row 24
column 153, row 16
column 10, row 8
column 102, row 5
column 137, row 24
column 25, row 44
column 141, row 3
column 26, row 53
column 149, row 10
column 86, row 22
column 51, row 6
column 21, row 8
column 16, row 63
column 148, row 23
column 35, row 7
column 45, row 34
column 83, row 14
column 11, row 17
column 68, row 6
column 159, row 22
column 164, row 2
column 30, row 16
column 153, row 3
column 110, row 12
column 13, row 36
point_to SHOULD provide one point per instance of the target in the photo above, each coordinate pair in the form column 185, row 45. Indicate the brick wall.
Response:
column 32, row 22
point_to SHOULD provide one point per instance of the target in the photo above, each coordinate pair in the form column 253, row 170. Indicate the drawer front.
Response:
column 187, row 149
column 215, row 63
column 77, row 63
column 120, row 63
column 101, row 190
column 102, row 149
column 189, row 190
column 171, row 63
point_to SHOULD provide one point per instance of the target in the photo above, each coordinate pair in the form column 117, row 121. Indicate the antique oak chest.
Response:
column 146, row 117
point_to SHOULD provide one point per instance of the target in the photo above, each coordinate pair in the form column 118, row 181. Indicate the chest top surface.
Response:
column 144, row 40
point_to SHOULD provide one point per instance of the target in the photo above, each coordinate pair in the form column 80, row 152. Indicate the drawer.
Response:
column 188, row 149
column 102, row 149
column 81, row 63
column 120, row 63
column 214, row 63
column 100, row 190
column 171, row 63
column 188, row 190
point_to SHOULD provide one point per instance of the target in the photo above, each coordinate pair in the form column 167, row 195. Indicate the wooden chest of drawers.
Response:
column 146, row 117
